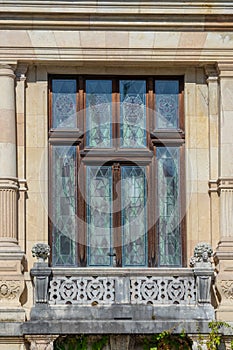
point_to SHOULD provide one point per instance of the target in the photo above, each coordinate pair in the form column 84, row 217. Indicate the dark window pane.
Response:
column 133, row 113
column 64, row 103
column 99, row 113
column 167, row 104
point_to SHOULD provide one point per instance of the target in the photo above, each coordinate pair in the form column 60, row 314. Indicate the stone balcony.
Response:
column 121, row 300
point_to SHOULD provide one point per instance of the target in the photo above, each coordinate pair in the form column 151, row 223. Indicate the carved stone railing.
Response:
column 122, row 286
column 173, row 293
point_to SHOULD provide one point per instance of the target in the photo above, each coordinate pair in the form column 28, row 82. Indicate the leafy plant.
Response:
column 79, row 343
column 168, row 341
column 214, row 337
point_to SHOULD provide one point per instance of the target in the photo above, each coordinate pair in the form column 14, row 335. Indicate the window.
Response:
column 116, row 171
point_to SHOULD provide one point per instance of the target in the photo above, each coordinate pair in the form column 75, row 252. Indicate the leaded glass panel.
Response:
column 99, row 113
column 134, row 216
column 133, row 113
column 64, row 103
column 64, row 205
column 167, row 104
column 99, row 215
column 168, row 206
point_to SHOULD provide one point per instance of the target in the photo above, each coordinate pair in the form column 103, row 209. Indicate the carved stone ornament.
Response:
column 202, row 255
column 227, row 288
column 11, row 290
column 41, row 251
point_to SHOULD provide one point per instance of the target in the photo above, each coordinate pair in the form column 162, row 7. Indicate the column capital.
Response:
column 21, row 71
column 212, row 73
column 41, row 342
column 225, row 70
column 7, row 70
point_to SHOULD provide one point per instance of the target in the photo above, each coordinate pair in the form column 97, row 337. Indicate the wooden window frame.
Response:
column 145, row 157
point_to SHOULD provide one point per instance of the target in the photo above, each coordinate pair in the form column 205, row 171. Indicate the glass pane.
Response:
column 99, row 113
column 63, row 205
column 99, row 219
column 133, row 113
column 134, row 216
column 167, row 104
column 64, row 103
column 168, row 200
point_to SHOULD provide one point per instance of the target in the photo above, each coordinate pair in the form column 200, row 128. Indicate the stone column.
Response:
column 41, row 342
column 213, row 114
column 11, row 256
column 224, row 253
column 8, row 175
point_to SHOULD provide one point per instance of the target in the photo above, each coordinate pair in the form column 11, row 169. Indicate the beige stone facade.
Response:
column 42, row 38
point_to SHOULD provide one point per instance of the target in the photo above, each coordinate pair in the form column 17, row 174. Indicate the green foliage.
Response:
column 99, row 344
column 79, row 342
column 214, row 337
column 168, row 341
column 71, row 343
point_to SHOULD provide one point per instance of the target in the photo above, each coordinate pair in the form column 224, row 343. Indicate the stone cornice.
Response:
column 71, row 19
column 114, row 6
column 171, row 56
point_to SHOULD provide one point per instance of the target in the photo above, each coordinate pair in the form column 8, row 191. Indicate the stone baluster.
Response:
column 203, row 271
column 41, row 272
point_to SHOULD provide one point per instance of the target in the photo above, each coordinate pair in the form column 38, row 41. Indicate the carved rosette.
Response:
column 10, row 291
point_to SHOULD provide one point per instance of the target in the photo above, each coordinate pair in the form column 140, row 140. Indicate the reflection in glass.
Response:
column 99, row 215
column 168, row 200
column 133, row 113
column 134, row 216
column 99, row 113
column 64, row 205
column 64, row 103
column 167, row 104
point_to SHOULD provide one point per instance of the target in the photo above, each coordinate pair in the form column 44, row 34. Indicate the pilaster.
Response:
column 213, row 116
column 224, row 252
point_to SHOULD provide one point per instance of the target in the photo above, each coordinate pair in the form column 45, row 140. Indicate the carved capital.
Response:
column 41, row 342
column 211, row 73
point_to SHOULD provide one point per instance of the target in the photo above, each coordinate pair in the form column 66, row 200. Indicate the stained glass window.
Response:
column 99, row 215
column 117, row 189
column 64, row 103
column 167, row 104
column 133, row 113
column 99, row 113
column 64, row 205
column 168, row 206
column 134, row 216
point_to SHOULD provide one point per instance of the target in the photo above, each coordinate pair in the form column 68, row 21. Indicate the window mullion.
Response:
column 151, row 215
column 117, row 234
